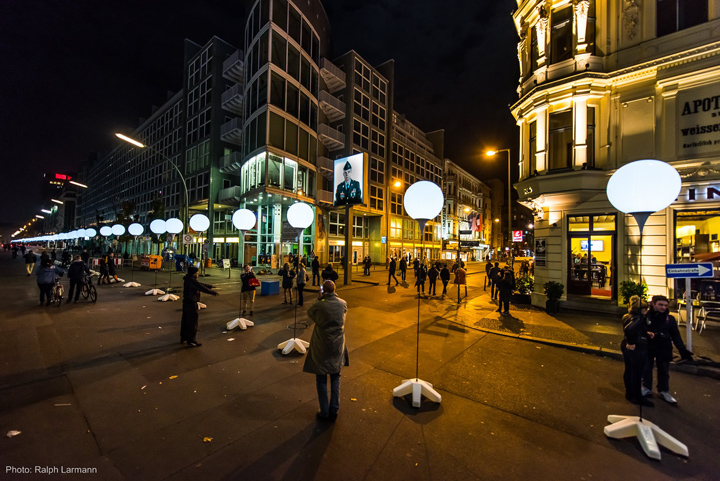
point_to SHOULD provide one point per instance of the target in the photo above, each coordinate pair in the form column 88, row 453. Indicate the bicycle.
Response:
column 56, row 294
column 88, row 289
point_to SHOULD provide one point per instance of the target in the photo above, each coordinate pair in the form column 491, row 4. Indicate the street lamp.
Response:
column 491, row 153
column 182, row 177
column 243, row 220
column 300, row 216
column 423, row 201
column 658, row 189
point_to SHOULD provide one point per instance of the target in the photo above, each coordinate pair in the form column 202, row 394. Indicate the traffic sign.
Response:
column 188, row 239
column 678, row 271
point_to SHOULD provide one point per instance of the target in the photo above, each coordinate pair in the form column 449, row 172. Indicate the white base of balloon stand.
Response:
column 294, row 344
column 649, row 435
column 418, row 388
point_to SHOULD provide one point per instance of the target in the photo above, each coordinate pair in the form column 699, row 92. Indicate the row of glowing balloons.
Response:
column 243, row 219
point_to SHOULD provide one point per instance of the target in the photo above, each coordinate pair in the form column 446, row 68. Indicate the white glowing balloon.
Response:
column 135, row 229
column 158, row 226
column 105, row 231
column 423, row 200
column 199, row 223
column 174, row 225
column 645, row 186
column 81, row 233
column 90, row 232
column 118, row 229
column 244, row 219
column 300, row 215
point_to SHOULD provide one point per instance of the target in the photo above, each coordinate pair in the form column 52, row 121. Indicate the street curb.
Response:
column 598, row 351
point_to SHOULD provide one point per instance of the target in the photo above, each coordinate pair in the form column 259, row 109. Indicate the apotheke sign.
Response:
column 699, row 120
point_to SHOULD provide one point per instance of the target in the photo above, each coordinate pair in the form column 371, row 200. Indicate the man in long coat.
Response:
column 327, row 353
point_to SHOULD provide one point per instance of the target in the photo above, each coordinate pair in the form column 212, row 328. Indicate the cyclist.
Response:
column 76, row 273
column 46, row 279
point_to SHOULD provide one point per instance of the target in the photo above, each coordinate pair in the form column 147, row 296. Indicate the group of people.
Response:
column 502, row 285
column 649, row 334
column 47, row 273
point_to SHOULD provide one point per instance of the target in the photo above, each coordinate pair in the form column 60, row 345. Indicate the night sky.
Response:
column 76, row 71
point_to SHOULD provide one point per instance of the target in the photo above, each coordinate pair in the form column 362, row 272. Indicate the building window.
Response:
column 279, row 44
column 337, row 224
column 378, row 116
column 377, row 170
column 361, row 227
column 362, row 105
column 561, row 140
column 395, row 228
column 376, row 197
column 361, row 132
column 590, row 137
column 396, row 203
column 534, row 53
column 532, row 147
column 378, row 143
column 676, row 15
column 362, row 75
column 590, row 29
column 561, row 35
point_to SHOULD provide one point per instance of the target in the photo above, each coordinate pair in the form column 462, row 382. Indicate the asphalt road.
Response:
column 94, row 387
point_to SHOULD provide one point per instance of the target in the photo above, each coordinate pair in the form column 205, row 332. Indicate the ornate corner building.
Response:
column 604, row 83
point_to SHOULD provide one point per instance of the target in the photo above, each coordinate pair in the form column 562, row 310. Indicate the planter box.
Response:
column 552, row 307
column 518, row 298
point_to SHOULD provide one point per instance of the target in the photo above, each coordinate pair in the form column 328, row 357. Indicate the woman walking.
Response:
column 287, row 282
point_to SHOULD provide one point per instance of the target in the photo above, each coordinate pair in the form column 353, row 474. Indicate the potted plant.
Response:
column 525, row 286
column 631, row 288
column 553, row 291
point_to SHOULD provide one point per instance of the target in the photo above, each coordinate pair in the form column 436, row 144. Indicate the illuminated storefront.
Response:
column 586, row 109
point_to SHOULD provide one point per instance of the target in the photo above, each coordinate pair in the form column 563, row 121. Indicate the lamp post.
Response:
column 659, row 186
column 300, row 216
column 423, row 201
column 243, row 220
column 397, row 184
column 157, row 227
column 200, row 223
column 491, row 153
column 134, row 230
column 182, row 177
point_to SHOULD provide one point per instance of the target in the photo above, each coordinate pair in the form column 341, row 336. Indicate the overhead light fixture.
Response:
column 78, row 184
column 39, row 216
column 57, row 201
column 128, row 139
column 46, row 211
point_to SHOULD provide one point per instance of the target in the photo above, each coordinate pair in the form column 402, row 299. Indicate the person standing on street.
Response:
column 14, row 251
column 112, row 272
column 416, row 264
column 287, row 282
column 46, row 279
column 85, row 256
column 420, row 277
column 76, row 273
column 494, row 278
column 488, row 268
column 328, row 274
column 403, row 268
column 315, row 270
column 327, row 353
column 391, row 271
column 660, row 348
column 30, row 260
column 191, row 296
column 460, row 277
column 635, row 349
column 445, row 278
column 302, row 278
column 506, row 285
column 247, row 292
column 432, row 278
column 22, row 250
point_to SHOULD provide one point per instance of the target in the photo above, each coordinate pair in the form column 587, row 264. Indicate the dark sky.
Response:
column 76, row 71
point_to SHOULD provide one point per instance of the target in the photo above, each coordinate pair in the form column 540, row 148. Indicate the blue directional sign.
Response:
column 701, row 269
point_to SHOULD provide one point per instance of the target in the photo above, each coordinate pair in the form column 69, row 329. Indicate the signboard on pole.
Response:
column 188, row 239
column 698, row 269
column 517, row 236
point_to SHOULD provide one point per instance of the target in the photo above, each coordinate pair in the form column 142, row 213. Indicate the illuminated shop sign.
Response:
column 699, row 120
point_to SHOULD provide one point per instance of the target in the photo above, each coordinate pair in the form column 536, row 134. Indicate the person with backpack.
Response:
column 460, row 278
column 287, row 274
column 247, row 291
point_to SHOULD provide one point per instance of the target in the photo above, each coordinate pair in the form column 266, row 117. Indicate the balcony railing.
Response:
column 333, row 107
column 229, row 195
column 332, row 138
column 332, row 75
column 231, row 162
column 231, row 132
column 234, row 67
column 325, row 167
column 233, row 99
column 324, row 196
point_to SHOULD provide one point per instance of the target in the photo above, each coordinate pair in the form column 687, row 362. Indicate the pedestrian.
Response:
column 506, row 286
column 30, row 260
column 191, row 296
column 420, row 278
column 432, row 274
column 302, row 278
column 634, row 347
column 85, row 256
column 104, row 272
column 328, row 274
column 391, row 271
column 247, row 291
column 76, row 273
column 44, row 257
column 22, row 250
column 445, row 278
column 460, row 277
column 112, row 270
column 315, row 270
column 327, row 353
column 14, row 251
column 288, row 275
column 46, row 279
column 416, row 264
column 53, row 254
column 403, row 268
column 525, row 268
column 494, row 279
column 660, row 348
column 488, row 268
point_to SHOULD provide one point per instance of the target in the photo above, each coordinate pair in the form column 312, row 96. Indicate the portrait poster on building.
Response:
column 349, row 180
column 540, row 252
